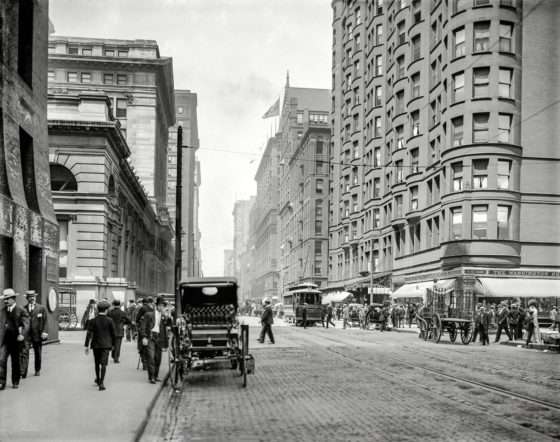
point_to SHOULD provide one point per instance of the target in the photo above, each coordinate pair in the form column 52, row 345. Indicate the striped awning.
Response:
column 418, row 289
column 517, row 288
column 336, row 297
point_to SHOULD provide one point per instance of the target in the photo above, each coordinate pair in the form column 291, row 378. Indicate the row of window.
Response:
column 86, row 77
column 75, row 50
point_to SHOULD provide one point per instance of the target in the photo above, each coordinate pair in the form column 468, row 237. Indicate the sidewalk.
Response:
column 64, row 404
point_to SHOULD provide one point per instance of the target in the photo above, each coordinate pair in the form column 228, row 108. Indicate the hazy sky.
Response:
column 234, row 55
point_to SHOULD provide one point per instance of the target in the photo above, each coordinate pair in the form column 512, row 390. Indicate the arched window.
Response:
column 62, row 180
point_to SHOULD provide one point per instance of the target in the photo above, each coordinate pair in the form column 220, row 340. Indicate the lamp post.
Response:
column 178, row 219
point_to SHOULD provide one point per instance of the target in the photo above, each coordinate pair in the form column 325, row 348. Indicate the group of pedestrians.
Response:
column 21, row 329
column 511, row 320
column 106, row 329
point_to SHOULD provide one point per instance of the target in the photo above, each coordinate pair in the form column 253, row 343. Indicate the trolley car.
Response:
column 446, row 310
column 293, row 303
column 208, row 329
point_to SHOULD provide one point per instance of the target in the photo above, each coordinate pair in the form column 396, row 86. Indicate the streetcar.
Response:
column 293, row 301
column 446, row 309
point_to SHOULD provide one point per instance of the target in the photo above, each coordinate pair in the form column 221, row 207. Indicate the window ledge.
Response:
column 481, row 99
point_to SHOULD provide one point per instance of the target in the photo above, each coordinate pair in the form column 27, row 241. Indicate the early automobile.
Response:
column 208, row 329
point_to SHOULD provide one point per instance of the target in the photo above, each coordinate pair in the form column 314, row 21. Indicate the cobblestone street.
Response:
column 334, row 384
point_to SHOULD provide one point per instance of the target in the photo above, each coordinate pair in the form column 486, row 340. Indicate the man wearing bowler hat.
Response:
column 119, row 319
column 38, row 332
column 154, row 337
column 14, row 325
column 101, row 336
column 146, row 307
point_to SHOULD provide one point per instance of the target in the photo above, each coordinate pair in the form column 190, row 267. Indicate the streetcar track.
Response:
column 526, row 425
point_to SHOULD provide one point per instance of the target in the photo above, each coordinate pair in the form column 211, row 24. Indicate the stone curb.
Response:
column 140, row 430
column 532, row 346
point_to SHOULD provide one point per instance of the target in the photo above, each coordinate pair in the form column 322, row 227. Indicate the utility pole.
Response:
column 178, row 219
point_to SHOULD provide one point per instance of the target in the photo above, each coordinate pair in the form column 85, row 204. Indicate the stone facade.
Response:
column 28, row 228
column 263, row 227
column 112, row 243
column 139, row 83
column 186, row 116
column 304, row 185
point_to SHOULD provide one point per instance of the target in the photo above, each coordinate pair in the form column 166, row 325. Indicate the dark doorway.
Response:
column 36, row 271
column 6, row 260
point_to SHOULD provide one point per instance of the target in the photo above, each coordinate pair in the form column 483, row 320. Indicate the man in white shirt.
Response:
column 154, row 337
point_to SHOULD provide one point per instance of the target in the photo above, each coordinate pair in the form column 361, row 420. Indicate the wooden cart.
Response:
column 446, row 310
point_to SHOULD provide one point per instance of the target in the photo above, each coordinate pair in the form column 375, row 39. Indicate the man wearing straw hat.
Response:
column 14, row 325
column 38, row 332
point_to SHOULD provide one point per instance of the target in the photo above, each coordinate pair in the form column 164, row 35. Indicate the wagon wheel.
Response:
column 63, row 321
column 176, row 363
column 72, row 321
column 452, row 332
column 467, row 330
column 437, row 328
column 244, row 352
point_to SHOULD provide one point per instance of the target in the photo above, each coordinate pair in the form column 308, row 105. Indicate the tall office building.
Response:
column 445, row 145
column 242, row 246
column 304, row 185
column 228, row 263
column 263, row 227
column 186, row 116
column 28, row 227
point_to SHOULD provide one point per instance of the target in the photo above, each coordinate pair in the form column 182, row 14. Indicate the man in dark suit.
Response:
column 514, row 319
column 89, row 314
column 14, row 326
column 154, row 337
column 502, row 321
column 38, row 332
column 101, row 336
column 485, row 321
column 119, row 319
column 477, row 320
column 304, row 315
column 330, row 315
column 266, row 320
column 143, row 351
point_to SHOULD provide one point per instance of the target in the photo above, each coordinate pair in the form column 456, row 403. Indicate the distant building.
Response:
column 263, row 228
column 28, row 227
column 229, row 264
column 111, row 245
column 449, row 111
column 304, row 136
column 242, row 246
column 186, row 116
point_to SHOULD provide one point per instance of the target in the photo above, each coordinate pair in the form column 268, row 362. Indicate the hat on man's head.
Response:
column 30, row 293
column 144, row 300
column 160, row 300
column 131, row 301
column 150, row 299
column 93, row 301
column 102, row 306
column 116, row 302
column 267, row 302
column 9, row 293
column 532, row 302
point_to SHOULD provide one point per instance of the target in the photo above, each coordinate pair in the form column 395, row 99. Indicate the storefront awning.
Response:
column 418, row 289
column 336, row 297
column 517, row 288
